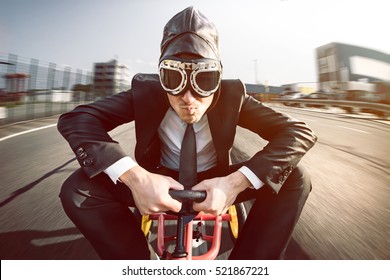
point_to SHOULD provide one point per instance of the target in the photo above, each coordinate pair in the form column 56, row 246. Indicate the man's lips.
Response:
column 188, row 108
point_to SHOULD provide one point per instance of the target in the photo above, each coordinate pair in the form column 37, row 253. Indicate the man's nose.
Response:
column 188, row 97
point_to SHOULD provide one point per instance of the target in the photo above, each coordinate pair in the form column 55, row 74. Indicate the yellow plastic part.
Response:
column 233, row 220
column 146, row 223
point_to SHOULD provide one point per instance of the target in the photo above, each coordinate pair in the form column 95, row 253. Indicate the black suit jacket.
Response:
column 86, row 127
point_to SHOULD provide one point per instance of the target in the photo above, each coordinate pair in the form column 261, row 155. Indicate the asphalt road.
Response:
column 346, row 217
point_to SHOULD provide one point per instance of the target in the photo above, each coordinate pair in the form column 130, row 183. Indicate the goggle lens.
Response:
column 207, row 81
column 171, row 79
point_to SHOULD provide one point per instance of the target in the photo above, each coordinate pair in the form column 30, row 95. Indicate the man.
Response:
column 188, row 90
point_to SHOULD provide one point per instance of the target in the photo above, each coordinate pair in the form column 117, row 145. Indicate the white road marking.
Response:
column 358, row 130
column 306, row 119
column 27, row 131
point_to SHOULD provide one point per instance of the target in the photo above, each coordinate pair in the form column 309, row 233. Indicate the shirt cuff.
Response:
column 255, row 181
column 115, row 170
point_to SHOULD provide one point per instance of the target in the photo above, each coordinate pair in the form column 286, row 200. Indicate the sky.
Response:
column 262, row 41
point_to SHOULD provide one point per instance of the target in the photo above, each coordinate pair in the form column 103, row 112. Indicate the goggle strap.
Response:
column 202, row 65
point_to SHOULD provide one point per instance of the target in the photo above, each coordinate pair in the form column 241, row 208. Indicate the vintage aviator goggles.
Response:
column 204, row 76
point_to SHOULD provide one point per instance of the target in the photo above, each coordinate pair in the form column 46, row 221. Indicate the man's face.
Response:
column 189, row 107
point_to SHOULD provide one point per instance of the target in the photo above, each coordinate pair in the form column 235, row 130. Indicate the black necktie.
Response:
column 187, row 169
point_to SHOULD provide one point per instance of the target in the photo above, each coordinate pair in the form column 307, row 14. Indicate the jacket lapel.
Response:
column 150, row 106
column 216, row 128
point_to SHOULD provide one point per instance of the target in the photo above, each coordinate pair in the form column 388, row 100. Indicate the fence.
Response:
column 31, row 88
column 381, row 110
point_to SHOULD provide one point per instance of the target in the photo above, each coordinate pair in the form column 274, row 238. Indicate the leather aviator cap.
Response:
column 190, row 32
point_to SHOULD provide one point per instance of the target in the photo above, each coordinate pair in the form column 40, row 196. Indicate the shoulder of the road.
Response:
column 19, row 128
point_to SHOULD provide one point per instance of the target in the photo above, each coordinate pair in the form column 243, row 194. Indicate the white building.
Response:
column 110, row 78
column 351, row 68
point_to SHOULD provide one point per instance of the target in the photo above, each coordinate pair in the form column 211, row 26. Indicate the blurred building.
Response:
column 302, row 87
column 110, row 78
column 263, row 92
column 348, row 68
column 16, row 82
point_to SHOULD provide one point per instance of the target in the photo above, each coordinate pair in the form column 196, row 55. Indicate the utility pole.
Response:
column 256, row 78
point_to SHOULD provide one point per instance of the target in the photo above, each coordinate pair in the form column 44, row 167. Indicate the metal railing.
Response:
column 381, row 110
column 41, row 105
column 32, row 88
column 38, row 74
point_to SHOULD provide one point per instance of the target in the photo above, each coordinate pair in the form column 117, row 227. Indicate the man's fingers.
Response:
column 199, row 187
column 175, row 205
column 173, row 184
column 197, row 206
column 204, row 205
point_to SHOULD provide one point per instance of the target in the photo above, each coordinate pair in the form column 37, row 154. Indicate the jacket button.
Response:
column 87, row 162
column 82, row 155
column 281, row 179
column 79, row 151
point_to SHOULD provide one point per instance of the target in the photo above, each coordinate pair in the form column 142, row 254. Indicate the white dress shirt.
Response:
column 171, row 132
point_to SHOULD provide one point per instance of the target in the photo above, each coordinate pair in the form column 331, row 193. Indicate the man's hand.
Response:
column 150, row 191
column 221, row 192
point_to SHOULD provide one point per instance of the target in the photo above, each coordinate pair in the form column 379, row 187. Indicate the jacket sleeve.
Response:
column 86, row 130
column 288, row 141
